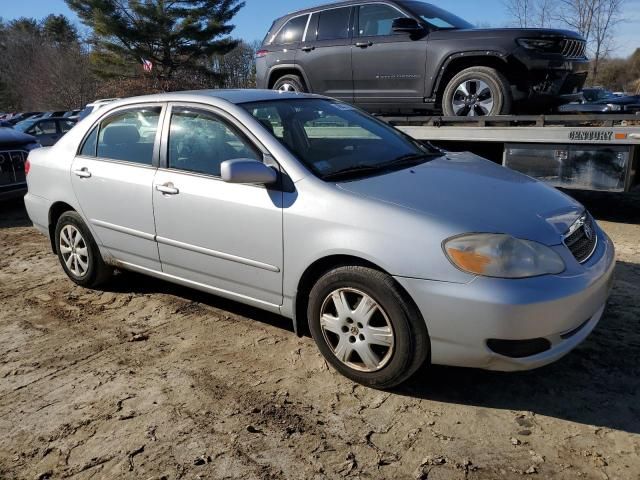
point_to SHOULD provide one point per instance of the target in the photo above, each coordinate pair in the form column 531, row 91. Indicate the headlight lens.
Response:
column 547, row 45
column 613, row 107
column 502, row 256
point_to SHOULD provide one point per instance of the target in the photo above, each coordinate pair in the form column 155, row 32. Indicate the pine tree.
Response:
column 176, row 35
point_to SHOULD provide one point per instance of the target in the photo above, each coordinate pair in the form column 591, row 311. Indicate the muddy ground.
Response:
column 149, row 380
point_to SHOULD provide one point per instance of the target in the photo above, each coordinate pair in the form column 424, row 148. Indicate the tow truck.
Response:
column 586, row 152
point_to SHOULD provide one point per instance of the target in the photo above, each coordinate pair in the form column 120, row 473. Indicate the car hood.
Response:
column 470, row 194
column 11, row 138
column 626, row 100
column 503, row 33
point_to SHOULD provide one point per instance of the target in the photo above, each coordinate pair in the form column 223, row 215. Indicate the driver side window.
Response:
column 376, row 20
column 200, row 141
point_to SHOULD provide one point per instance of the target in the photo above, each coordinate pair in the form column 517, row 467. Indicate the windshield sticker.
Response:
column 343, row 106
column 322, row 165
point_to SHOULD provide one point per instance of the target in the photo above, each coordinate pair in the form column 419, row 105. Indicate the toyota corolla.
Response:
column 391, row 253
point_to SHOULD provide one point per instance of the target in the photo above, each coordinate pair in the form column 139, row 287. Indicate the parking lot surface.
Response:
column 150, row 380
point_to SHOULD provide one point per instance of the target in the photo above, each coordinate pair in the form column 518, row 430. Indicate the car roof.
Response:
column 343, row 3
column 236, row 96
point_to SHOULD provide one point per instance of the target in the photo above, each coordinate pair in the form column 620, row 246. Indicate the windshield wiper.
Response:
column 410, row 159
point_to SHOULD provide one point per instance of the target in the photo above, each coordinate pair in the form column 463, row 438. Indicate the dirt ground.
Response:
column 149, row 380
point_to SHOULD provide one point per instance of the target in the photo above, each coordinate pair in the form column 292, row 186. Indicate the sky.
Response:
column 256, row 17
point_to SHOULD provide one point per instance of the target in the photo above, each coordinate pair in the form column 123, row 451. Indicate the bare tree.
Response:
column 237, row 68
column 606, row 16
column 531, row 13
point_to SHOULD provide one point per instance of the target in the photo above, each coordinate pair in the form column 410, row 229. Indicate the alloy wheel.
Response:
column 357, row 329
column 287, row 87
column 75, row 253
column 472, row 98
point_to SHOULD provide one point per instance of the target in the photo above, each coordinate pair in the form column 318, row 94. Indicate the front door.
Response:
column 225, row 236
column 388, row 67
column 325, row 55
column 112, row 178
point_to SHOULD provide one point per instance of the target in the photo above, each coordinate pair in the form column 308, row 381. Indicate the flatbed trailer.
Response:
column 587, row 152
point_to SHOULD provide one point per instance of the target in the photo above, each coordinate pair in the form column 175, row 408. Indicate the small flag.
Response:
column 147, row 65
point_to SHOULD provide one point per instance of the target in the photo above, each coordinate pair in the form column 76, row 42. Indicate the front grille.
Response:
column 582, row 238
column 12, row 166
column 574, row 48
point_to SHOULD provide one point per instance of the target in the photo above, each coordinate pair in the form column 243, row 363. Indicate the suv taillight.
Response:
column 261, row 53
column 27, row 167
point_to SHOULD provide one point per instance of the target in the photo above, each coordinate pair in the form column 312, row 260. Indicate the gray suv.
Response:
column 392, row 56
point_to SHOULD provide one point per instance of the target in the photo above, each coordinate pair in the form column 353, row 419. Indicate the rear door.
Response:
column 112, row 177
column 388, row 67
column 325, row 54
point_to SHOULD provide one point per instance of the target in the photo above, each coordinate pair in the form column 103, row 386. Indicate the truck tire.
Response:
column 477, row 91
column 290, row 83
column 365, row 327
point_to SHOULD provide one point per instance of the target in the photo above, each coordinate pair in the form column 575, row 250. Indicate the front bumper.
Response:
column 563, row 309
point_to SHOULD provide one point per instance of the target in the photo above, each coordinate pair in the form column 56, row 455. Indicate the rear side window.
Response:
column 66, row 125
column 47, row 127
column 334, row 24
column 292, row 31
column 129, row 135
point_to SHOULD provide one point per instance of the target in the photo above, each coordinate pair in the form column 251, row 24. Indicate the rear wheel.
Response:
column 78, row 253
column 290, row 83
column 477, row 91
column 365, row 328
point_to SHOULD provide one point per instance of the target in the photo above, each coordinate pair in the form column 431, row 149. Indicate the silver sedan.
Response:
column 391, row 253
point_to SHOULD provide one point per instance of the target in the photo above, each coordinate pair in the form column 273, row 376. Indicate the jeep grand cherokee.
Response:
column 400, row 56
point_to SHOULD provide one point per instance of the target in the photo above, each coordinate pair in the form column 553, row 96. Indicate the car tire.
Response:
column 461, row 97
column 290, row 83
column 386, row 328
column 78, row 252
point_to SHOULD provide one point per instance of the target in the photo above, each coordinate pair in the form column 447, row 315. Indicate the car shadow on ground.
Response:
column 596, row 384
column 13, row 214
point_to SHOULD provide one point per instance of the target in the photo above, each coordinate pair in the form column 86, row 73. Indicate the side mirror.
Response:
column 406, row 24
column 246, row 170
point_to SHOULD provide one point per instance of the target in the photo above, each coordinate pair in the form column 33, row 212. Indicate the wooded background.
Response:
column 49, row 65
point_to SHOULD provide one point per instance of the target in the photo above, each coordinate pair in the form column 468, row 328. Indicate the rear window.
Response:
column 292, row 31
column 334, row 24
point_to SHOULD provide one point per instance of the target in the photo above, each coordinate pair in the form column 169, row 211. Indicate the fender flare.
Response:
column 444, row 65
column 288, row 66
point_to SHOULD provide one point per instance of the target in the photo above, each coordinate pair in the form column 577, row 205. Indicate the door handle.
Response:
column 364, row 44
column 307, row 48
column 83, row 172
column 167, row 189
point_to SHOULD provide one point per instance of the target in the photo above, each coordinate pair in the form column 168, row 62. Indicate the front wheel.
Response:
column 365, row 328
column 78, row 253
column 475, row 92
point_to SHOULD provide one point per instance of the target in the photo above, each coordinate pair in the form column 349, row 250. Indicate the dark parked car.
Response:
column 14, row 149
column 46, row 130
column 400, row 55
column 600, row 100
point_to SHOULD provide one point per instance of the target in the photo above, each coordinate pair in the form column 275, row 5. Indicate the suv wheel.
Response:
column 365, row 328
column 78, row 252
column 477, row 91
column 289, row 83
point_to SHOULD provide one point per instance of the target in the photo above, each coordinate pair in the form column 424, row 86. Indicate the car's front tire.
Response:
column 290, row 83
column 366, row 328
column 477, row 91
column 78, row 252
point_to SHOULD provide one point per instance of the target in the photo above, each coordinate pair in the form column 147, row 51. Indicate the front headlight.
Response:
column 546, row 45
column 502, row 256
column 613, row 107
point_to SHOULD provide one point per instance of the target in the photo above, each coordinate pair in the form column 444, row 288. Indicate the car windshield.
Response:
column 337, row 141
column 436, row 17
column 24, row 125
